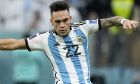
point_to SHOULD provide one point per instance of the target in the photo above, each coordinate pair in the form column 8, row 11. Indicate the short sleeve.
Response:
column 91, row 26
column 35, row 42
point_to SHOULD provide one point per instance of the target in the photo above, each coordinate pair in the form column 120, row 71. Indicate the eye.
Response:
column 57, row 21
column 65, row 20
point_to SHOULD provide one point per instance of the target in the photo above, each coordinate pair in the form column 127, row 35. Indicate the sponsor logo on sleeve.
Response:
column 92, row 21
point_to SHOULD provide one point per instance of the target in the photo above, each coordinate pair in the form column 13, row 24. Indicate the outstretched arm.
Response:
column 118, row 20
column 12, row 44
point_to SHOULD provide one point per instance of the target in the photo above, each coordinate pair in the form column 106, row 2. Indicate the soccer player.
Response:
column 66, row 45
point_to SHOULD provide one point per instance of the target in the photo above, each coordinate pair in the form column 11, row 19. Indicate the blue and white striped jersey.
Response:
column 69, row 54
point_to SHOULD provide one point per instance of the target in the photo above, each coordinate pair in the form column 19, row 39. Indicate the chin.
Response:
column 63, row 35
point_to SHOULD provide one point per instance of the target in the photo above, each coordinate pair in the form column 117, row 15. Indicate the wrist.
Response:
column 122, row 21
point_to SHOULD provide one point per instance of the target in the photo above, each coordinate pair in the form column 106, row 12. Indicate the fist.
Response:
column 130, row 24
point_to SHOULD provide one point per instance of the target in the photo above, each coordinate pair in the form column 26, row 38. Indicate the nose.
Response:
column 62, row 24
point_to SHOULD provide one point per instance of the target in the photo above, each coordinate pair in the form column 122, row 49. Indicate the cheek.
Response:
column 54, row 24
column 68, row 25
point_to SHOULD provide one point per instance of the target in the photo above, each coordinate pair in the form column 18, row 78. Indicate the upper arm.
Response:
column 105, row 23
column 37, row 41
column 91, row 26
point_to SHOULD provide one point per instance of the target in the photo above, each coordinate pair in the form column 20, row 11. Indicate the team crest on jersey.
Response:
column 80, row 39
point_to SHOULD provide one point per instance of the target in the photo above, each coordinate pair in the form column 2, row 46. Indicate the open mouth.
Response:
column 63, row 31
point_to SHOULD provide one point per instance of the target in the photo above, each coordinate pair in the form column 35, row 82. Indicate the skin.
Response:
column 127, row 24
column 62, row 28
column 61, row 21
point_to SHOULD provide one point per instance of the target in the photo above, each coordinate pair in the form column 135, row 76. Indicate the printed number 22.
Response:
column 72, row 51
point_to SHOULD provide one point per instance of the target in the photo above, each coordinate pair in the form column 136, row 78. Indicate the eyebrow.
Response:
column 63, row 20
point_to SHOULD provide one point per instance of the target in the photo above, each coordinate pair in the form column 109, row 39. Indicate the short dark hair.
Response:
column 58, row 6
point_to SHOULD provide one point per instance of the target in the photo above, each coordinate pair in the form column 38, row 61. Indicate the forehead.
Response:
column 60, row 14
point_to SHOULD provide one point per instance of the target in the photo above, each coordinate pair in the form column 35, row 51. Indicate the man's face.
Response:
column 61, row 21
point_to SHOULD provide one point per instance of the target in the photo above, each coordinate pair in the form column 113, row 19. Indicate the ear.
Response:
column 70, row 17
column 51, row 21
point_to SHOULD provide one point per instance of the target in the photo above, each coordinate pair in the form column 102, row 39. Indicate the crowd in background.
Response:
column 109, row 48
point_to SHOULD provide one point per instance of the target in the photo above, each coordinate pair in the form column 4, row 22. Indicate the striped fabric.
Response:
column 69, row 54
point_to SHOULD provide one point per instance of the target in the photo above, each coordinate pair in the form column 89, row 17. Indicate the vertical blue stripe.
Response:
column 75, row 60
column 84, row 39
column 59, row 61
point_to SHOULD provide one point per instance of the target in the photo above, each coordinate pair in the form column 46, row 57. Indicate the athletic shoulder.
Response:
column 78, row 24
column 87, row 25
column 40, row 34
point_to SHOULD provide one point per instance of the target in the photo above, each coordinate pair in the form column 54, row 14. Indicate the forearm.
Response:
column 6, row 44
column 11, row 44
column 112, row 21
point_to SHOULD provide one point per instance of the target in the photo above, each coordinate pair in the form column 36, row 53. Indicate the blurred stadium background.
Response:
column 115, row 53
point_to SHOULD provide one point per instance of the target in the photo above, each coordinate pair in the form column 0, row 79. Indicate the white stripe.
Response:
column 84, row 66
column 83, row 60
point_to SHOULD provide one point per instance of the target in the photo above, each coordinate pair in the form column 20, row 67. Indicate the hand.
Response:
column 130, row 24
